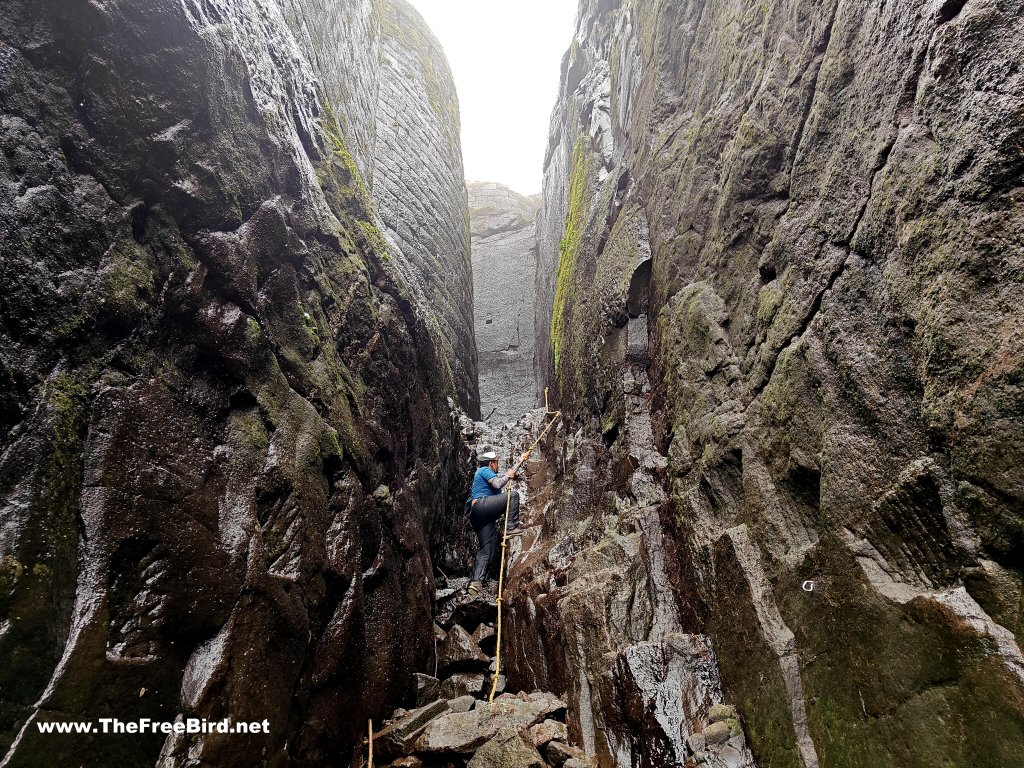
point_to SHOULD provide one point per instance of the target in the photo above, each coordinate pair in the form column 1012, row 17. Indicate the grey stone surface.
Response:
column 461, row 703
column 397, row 738
column 503, row 229
column 801, row 222
column 458, row 652
column 463, row 684
column 466, row 732
column 390, row 82
column 209, row 359
column 428, row 688
column 508, row 749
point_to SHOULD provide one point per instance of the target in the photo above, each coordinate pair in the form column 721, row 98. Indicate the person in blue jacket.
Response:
column 487, row 504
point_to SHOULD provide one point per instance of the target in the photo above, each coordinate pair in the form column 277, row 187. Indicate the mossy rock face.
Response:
column 896, row 685
column 833, row 222
column 209, row 360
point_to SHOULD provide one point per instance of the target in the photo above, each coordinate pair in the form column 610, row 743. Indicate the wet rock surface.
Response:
column 230, row 452
column 503, row 235
column 800, row 226
column 468, row 729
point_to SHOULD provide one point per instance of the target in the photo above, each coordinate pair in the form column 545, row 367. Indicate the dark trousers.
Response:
column 484, row 518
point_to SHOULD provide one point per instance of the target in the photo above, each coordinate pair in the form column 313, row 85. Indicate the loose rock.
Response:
column 458, row 653
column 549, row 730
column 507, row 750
column 396, row 739
column 716, row 733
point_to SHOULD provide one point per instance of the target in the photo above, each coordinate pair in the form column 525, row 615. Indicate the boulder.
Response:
column 465, row 732
column 507, row 749
column 458, row 653
column 716, row 733
column 396, row 739
column 719, row 712
column 560, row 754
column 486, row 639
column 409, row 761
column 462, row 703
column 549, row 730
column 730, row 757
column 461, row 684
column 470, row 612
column 695, row 741
column 428, row 688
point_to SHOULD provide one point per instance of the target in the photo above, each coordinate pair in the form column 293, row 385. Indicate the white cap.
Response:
column 489, row 456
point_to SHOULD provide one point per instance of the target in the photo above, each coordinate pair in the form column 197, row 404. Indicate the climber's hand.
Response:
column 524, row 457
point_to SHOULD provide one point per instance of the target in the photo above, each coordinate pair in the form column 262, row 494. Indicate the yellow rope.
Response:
column 501, row 572
column 554, row 418
column 370, row 742
column 501, row 586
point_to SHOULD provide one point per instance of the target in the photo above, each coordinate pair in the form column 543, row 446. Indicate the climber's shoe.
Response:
column 474, row 589
column 517, row 531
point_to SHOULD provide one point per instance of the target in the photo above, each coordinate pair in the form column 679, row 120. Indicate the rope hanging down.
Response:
column 501, row 572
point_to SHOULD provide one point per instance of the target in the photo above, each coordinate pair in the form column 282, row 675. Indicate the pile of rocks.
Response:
column 453, row 725
column 720, row 743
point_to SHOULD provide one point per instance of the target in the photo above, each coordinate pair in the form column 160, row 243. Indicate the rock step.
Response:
column 453, row 724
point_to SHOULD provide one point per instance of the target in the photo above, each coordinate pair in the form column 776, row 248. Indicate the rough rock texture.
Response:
column 503, row 228
column 229, row 458
column 803, row 222
column 389, row 80
column 591, row 604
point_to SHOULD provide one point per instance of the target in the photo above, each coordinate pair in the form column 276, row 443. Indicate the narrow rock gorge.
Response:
column 504, row 248
column 256, row 329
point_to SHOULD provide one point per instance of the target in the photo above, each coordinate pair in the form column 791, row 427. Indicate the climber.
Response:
column 487, row 504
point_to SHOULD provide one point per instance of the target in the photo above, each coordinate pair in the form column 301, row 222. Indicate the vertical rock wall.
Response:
column 388, row 75
column 503, row 230
column 803, row 222
column 419, row 186
column 228, row 458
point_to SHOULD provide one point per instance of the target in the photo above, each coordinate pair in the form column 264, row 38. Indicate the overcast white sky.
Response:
column 506, row 58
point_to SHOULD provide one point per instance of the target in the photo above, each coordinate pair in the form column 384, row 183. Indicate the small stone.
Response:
column 716, row 733
column 720, row 712
column 575, row 762
column 735, row 729
column 738, row 741
column 461, row 704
